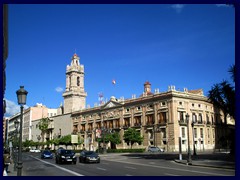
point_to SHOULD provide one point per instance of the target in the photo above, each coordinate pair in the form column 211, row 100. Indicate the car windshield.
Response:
column 154, row 148
column 67, row 152
column 47, row 152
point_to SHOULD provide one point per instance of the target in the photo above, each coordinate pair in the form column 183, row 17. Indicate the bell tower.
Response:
column 74, row 95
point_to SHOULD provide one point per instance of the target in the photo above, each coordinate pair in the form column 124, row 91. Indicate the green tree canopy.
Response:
column 131, row 136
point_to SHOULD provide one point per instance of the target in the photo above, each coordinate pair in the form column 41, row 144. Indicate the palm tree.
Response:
column 43, row 126
column 232, row 71
column 223, row 96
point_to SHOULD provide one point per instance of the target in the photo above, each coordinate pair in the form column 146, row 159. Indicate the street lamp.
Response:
column 22, row 96
column 16, row 125
column 189, row 160
column 104, row 144
column 194, row 149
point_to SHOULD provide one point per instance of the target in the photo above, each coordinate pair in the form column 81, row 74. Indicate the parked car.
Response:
column 89, row 156
column 46, row 154
column 154, row 149
column 65, row 156
column 35, row 150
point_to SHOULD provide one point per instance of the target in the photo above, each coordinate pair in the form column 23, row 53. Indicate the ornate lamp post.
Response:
column 104, row 144
column 189, row 160
column 21, row 95
column 16, row 125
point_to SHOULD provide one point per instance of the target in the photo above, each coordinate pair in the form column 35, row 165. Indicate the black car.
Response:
column 65, row 156
column 46, row 154
column 89, row 156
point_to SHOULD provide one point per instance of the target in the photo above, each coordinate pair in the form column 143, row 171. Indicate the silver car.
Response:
column 153, row 149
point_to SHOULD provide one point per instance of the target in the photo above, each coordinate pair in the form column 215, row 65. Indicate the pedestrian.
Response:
column 7, row 159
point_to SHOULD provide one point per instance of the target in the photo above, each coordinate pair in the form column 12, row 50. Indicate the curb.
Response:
column 203, row 165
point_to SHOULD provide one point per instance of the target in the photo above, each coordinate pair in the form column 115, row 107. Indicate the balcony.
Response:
column 182, row 122
column 137, row 124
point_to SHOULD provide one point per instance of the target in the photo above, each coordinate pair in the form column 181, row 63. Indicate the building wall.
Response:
column 173, row 105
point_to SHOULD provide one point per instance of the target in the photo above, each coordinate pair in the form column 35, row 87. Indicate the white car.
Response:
column 35, row 150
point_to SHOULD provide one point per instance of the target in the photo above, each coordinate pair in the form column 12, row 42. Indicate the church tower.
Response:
column 74, row 95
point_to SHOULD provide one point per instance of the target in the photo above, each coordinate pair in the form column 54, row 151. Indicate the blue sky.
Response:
column 188, row 46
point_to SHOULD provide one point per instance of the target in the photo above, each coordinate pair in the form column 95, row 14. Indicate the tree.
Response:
column 65, row 140
column 223, row 95
column 131, row 136
column 43, row 126
column 114, row 138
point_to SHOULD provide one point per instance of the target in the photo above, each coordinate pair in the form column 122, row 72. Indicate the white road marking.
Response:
column 152, row 163
column 130, row 167
column 167, row 174
column 128, row 175
column 67, row 170
column 101, row 168
column 176, row 169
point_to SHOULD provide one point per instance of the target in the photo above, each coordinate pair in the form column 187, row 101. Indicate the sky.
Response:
column 188, row 46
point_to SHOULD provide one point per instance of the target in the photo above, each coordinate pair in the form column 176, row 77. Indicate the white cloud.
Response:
column 11, row 108
column 59, row 89
column 178, row 7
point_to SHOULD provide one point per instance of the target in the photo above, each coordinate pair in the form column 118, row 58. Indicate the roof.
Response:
column 196, row 91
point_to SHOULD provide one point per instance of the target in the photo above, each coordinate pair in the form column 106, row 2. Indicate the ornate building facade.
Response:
column 160, row 117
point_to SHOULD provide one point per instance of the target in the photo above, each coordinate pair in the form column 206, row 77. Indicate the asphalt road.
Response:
column 117, row 165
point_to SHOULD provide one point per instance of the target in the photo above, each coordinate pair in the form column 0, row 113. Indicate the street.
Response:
column 118, row 165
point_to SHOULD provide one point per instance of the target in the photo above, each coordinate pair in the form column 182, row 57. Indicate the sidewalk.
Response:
column 216, row 160
column 12, row 172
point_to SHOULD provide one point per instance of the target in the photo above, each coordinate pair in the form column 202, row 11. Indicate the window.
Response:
column 183, row 133
column 181, row 116
column 163, row 103
column 192, row 105
column 207, row 118
column 195, row 132
column 180, row 103
column 162, row 117
column 138, row 108
column 200, row 118
column 78, row 81
column 208, row 133
column 194, row 117
column 127, row 110
column 199, row 105
column 201, row 132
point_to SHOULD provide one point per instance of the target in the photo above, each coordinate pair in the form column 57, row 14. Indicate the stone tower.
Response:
column 74, row 95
